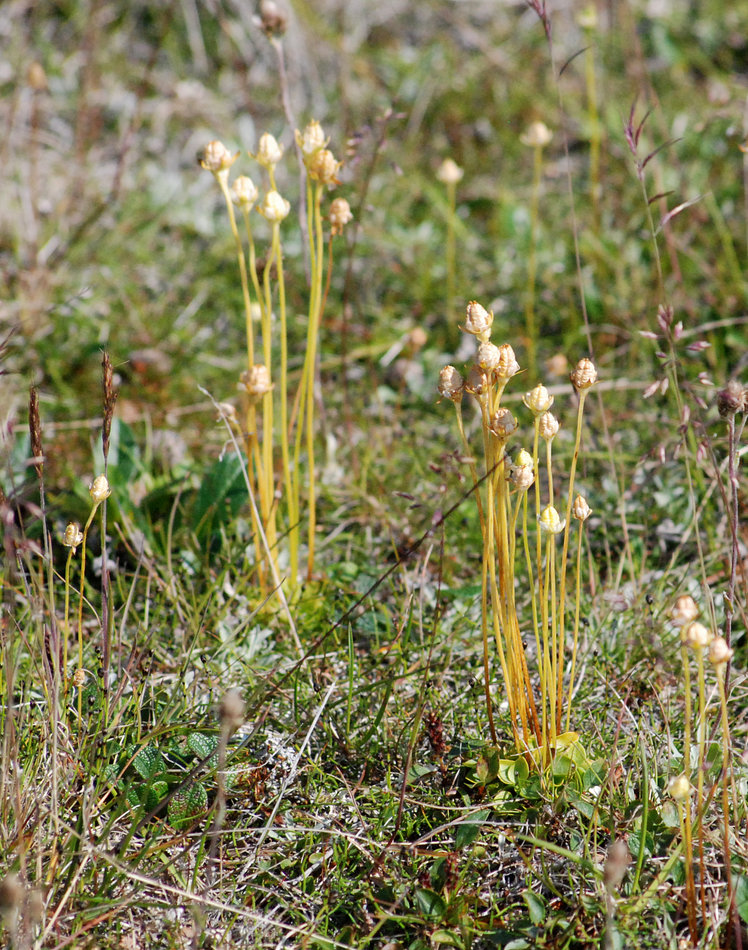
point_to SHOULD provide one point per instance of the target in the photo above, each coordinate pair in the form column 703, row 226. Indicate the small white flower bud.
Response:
column 719, row 652
column 537, row 135
column 274, row 207
column 215, row 157
column 449, row 172
column 580, row 509
column 679, row 788
column 269, row 151
column 550, row 521
column 100, row 489
column 244, row 192
column 684, row 610
column 340, row 215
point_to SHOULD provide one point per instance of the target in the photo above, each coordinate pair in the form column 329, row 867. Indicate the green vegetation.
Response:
column 288, row 655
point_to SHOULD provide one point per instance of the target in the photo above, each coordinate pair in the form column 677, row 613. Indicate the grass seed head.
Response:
column 35, row 431
column 449, row 172
column 550, row 521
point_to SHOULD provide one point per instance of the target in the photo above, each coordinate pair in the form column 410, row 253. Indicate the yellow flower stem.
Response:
column 291, row 501
column 686, row 812
column 268, row 514
column 577, row 609
column 80, row 602
column 471, row 464
column 701, row 740
column 728, row 780
column 312, row 339
column 565, row 550
column 66, row 622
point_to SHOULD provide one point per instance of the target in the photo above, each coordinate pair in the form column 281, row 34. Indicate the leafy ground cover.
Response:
column 192, row 757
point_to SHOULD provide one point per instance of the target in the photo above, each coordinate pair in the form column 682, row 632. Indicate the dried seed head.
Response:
column 274, row 208
column 550, row 521
column 732, row 399
column 244, row 192
column 679, row 788
column 537, row 135
column 35, row 431
column 508, row 365
column 617, row 861
column 489, row 357
column 216, row 158
column 256, row 382
column 538, row 400
column 719, row 652
column 548, row 426
column 476, row 383
column 272, row 19
column 269, row 151
column 450, row 383
column 312, row 139
column 232, row 710
column 340, row 215
column 79, row 678
column 502, row 424
column 684, row 610
column 227, row 411
column 324, row 168
column 580, row 509
column 100, row 489
column 584, row 375
column 73, row 536
column 696, row 635
column 449, row 172
column 478, row 321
